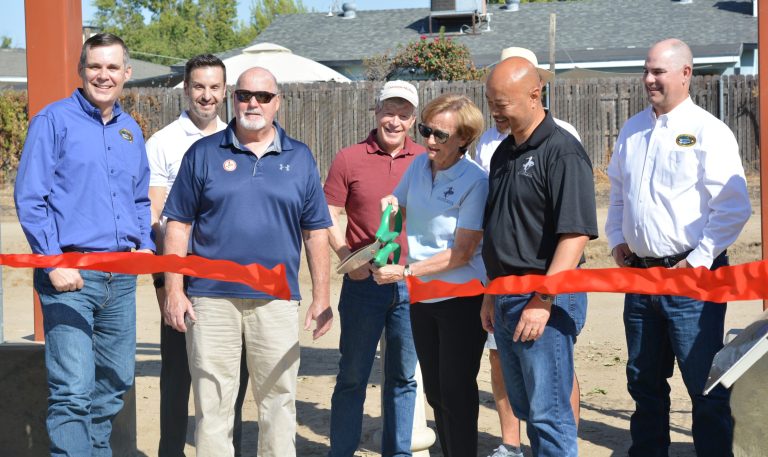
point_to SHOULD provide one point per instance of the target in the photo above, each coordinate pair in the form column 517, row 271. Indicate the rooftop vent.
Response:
column 456, row 14
column 350, row 10
column 511, row 5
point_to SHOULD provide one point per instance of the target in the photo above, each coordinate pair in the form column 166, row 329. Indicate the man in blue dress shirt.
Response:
column 82, row 187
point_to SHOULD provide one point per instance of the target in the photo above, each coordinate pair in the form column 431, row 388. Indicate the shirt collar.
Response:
column 677, row 114
column 190, row 128
column 539, row 134
column 93, row 111
column 454, row 171
column 372, row 146
column 280, row 142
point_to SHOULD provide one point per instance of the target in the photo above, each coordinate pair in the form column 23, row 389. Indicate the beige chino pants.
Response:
column 271, row 332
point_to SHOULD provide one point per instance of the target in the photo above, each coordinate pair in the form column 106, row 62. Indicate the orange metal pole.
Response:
column 762, row 72
column 54, row 38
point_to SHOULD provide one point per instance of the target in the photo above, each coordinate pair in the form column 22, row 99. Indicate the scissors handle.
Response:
column 382, row 256
column 386, row 237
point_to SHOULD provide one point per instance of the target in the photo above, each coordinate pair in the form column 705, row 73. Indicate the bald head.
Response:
column 667, row 74
column 513, row 92
column 675, row 51
column 515, row 72
column 259, row 76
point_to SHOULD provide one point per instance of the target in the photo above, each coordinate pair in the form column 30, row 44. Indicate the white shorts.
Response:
column 490, row 342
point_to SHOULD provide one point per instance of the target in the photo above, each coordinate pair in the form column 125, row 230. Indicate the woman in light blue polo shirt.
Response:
column 443, row 194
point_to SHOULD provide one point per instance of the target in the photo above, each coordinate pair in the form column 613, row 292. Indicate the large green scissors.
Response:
column 379, row 251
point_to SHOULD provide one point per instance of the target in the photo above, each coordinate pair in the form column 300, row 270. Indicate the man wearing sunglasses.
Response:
column 539, row 216
column 248, row 194
column 204, row 90
column 359, row 177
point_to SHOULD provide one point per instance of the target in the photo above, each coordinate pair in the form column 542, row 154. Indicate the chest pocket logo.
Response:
column 127, row 135
column 525, row 170
column 685, row 140
column 230, row 165
column 447, row 193
column 284, row 167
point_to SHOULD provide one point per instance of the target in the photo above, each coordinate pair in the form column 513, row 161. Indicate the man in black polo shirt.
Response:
column 539, row 216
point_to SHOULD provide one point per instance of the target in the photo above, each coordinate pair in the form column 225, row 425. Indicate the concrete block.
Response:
column 749, row 405
column 24, row 400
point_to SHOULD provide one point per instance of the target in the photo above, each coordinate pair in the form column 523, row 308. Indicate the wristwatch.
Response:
column 546, row 298
column 407, row 271
column 159, row 282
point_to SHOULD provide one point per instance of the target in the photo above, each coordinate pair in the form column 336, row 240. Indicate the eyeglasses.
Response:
column 440, row 136
column 262, row 97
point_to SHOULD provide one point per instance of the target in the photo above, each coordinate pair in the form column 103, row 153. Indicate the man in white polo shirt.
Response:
column 204, row 89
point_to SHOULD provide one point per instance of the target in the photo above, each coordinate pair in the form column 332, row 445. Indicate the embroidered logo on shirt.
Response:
column 526, row 168
column 230, row 165
column 126, row 134
column 285, row 167
column 448, row 192
column 685, row 140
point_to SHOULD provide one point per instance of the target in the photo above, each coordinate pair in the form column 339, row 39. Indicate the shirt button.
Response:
column 109, row 148
column 117, row 217
column 114, row 194
column 112, row 171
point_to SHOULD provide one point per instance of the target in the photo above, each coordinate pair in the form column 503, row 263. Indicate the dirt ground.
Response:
column 600, row 361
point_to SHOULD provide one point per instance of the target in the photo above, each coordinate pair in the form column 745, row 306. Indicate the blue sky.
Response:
column 12, row 24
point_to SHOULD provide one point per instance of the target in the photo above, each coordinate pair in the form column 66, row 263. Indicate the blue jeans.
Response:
column 365, row 310
column 539, row 374
column 660, row 328
column 90, row 347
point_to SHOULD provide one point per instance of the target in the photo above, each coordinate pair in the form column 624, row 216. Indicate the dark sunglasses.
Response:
column 440, row 136
column 262, row 97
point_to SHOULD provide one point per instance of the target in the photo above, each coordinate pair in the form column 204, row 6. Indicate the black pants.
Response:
column 449, row 340
column 174, row 395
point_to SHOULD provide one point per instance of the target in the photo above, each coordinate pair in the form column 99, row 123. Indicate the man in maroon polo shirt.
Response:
column 359, row 177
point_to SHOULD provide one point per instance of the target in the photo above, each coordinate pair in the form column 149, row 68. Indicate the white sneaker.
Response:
column 502, row 451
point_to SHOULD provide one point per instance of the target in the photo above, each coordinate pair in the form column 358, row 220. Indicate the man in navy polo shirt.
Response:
column 248, row 194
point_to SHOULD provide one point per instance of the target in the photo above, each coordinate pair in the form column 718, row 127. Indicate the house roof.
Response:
column 587, row 30
column 13, row 66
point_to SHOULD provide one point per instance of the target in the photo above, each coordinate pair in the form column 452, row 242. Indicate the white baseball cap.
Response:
column 527, row 54
column 400, row 89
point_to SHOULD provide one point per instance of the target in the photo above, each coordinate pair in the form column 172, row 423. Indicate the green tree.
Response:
column 439, row 58
column 177, row 29
column 501, row 2
column 264, row 11
column 13, row 130
column 5, row 42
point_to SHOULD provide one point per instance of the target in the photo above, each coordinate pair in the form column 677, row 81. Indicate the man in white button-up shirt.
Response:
column 678, row 199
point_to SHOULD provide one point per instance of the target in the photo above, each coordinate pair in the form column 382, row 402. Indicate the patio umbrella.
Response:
column 284, row 64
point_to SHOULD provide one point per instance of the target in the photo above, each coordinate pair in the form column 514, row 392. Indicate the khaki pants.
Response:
column 271, row 333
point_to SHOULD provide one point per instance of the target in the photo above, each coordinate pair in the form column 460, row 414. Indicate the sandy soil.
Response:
column 600, row 361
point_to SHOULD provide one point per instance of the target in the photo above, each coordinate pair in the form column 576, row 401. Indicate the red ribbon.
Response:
column 747, row 281
column 272, row 282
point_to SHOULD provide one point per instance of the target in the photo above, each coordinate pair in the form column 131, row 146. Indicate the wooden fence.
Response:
column 329, row 116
